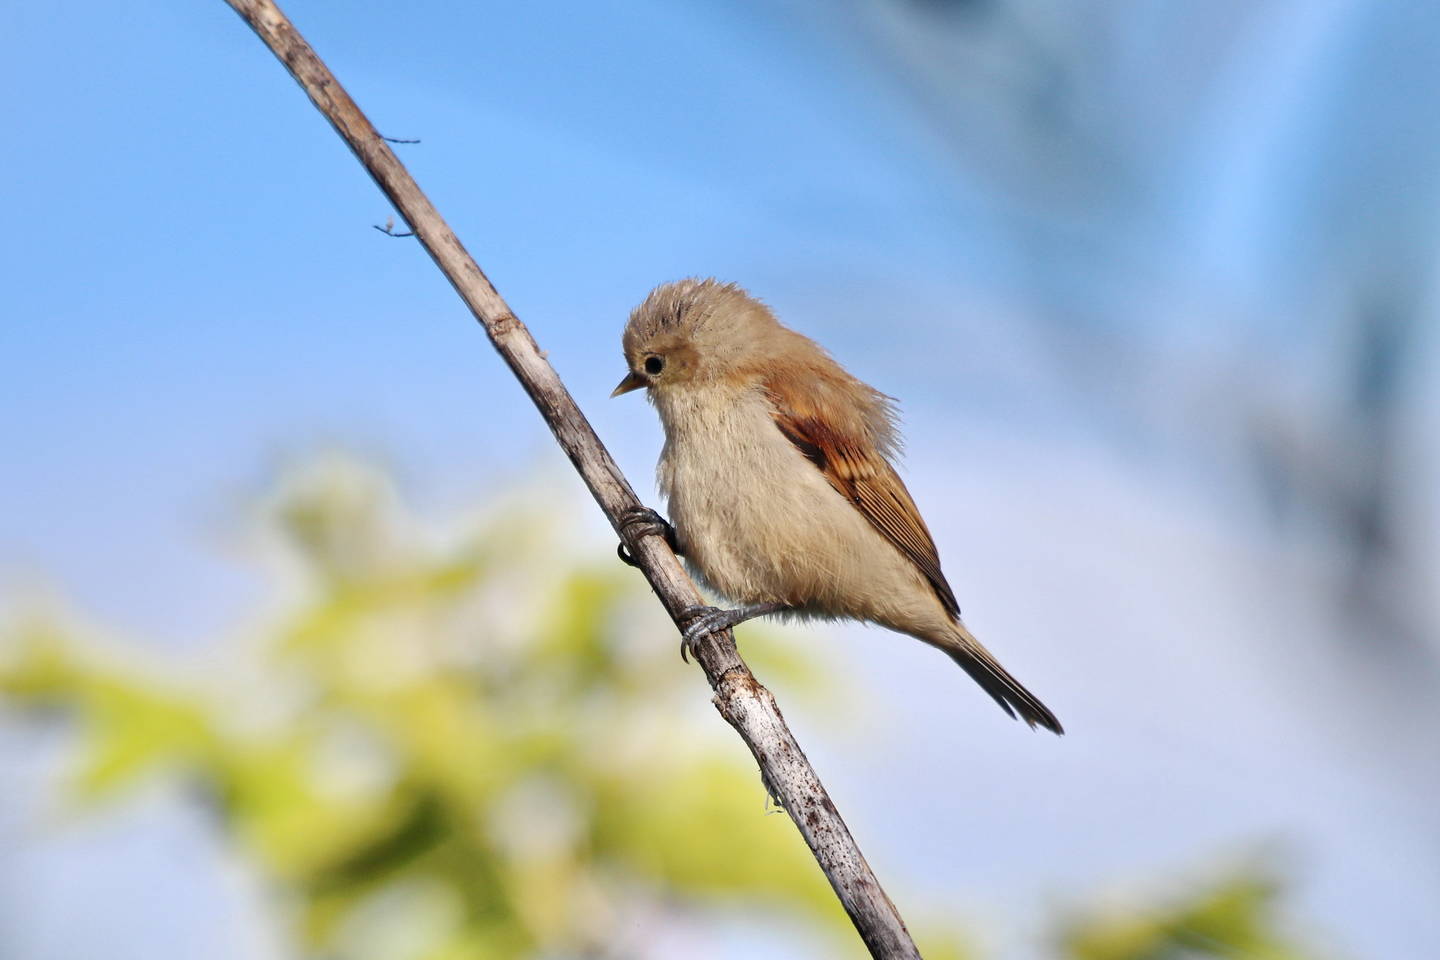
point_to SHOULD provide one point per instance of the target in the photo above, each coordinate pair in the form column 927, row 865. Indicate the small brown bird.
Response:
column 777, row 473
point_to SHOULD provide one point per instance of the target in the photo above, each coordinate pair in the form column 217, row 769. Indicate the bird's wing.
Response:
column 852, row 461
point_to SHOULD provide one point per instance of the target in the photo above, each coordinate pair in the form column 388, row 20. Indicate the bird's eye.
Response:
column 654, row 365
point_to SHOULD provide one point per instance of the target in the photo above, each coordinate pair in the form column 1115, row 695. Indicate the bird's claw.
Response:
column 698, row 622
column 640, row 522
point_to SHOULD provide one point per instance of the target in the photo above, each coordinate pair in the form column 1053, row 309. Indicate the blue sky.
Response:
column 203, row 289
column 1073, row 321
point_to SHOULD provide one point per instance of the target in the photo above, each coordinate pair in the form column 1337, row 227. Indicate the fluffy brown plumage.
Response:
column 778, row 477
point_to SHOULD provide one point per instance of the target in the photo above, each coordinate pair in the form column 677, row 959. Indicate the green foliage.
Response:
column 477, row 746
column 486, row 744
column 1236, row 917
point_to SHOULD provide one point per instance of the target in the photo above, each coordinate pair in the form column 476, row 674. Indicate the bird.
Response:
column 778, row 476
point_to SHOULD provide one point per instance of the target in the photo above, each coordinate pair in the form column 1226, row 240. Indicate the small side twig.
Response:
column 742, row 701
column 389, row 228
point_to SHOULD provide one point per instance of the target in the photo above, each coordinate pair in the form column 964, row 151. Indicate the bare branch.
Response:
column 739, row 697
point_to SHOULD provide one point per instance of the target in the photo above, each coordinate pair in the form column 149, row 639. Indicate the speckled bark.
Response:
column 740, row 698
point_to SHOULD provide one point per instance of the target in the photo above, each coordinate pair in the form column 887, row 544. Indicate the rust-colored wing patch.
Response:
column 851, row 460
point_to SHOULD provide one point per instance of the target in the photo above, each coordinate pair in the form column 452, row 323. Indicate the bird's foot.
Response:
column 643, row 522
column 700, row 622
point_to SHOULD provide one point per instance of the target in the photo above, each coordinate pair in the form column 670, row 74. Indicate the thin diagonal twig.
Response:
column 741, row 700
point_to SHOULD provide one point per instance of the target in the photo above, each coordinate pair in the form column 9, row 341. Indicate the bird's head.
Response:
column 697, row 332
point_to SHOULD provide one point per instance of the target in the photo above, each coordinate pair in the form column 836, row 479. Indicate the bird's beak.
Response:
column 632, row 381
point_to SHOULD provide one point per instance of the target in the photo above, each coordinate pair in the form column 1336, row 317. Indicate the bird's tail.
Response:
column 985, row 670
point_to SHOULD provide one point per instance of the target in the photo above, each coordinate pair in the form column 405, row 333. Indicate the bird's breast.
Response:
column 757, row 521
column 726, row 471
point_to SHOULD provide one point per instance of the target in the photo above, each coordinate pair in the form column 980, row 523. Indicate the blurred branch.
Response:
column 740, row 698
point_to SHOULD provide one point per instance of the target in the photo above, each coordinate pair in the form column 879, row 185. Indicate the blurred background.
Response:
column 312, row 645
